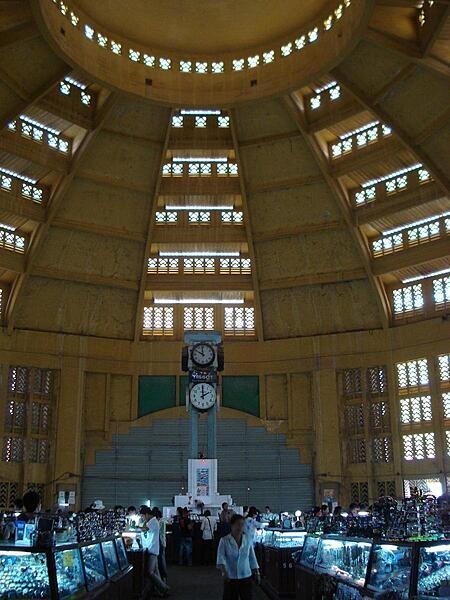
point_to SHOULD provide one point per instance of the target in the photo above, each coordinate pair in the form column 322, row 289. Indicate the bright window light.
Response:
column 391, row 175
column 416, row 223
column 18, row 175
column 358, row 130
column 200, row 112
column 201, row 159
column 326, row 87
column 38, row 124
column 197, row 301
column 211, row 253
column 197, row 207
column 75, row 82
column 420, row 277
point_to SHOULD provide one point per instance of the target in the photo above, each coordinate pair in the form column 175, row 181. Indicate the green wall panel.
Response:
column 241, row 393
column 156, row 393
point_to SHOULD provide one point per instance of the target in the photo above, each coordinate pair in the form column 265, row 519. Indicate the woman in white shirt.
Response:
column 208, row 528
column 251, row 525
column 237, row 562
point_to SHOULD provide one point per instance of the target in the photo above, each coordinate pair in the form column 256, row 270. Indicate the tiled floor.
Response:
column 199, row 583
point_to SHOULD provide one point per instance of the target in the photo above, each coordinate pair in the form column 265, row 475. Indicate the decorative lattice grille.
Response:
column 412, row 374
column 359, row 492
column 9, row 491
column 13, row 449
column 357, row 451
column 239, row 320
column 354, row 419
column 158, row 320
column 444, row 367
column 380, row 419
column 382, row 450
column 415, row 410
column 352, row 383
column 376, row 381
column 28, row 413
column 419, row 446
column 198, row 318
column 386, row 488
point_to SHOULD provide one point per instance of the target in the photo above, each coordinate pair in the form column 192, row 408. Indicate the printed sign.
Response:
column 202, row 482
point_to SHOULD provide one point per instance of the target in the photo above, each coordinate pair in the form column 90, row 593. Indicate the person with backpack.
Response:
column 208, row 529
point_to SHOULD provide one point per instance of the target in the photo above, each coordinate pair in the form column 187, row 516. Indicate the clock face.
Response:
column 203, row 354
column 203, row 396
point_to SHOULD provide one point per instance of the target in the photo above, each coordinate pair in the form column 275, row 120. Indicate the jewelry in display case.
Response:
column 121, row 553
column 69, row 574
column 94, row 566
column 391, row 569
column 309, row 552
column 110, row 556
column 434, row 571
column 344, row 559
column 23, row 575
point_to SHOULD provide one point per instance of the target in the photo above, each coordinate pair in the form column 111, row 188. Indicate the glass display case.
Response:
column 434, row 571
column 64, row 571
column 344, row 559
column 390, row 571
column 69, row 574
column 110, row 556
column 94, row 566
column 284, row 538
column 309, row 552
column 23, row 575
column 121, row 553
column 347, row 592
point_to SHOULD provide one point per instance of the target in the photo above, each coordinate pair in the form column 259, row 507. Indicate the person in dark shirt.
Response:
column 186, row 528
column 31, row 506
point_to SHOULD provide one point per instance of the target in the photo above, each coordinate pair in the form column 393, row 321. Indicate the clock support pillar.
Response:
column 194, row 418
column 212, row 432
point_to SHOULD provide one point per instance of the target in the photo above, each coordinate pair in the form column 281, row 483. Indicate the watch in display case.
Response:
column 390, row 571
column 347, row 592
column 344, row 559
column 434, row 571
column 69, row 574
column 110, row 556
column 23, row 575
column 121, row 553
column 309, row 552
column 284, row 538
column 94, row 566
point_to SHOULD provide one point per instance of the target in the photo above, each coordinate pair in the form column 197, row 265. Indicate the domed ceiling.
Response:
column 319, row 210
column 209, row 27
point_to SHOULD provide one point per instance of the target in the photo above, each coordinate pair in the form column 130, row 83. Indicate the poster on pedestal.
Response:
column 202, row 479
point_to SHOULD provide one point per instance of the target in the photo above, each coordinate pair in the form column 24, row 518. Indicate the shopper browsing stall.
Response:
column 150, row 544
column 237, row 562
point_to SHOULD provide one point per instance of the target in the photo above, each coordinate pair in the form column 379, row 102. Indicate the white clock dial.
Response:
column 203, row 396
column 203, row 354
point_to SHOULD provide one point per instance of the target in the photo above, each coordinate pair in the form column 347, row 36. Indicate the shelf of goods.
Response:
column 342, row 568
column 96, row 569
column 276, row 550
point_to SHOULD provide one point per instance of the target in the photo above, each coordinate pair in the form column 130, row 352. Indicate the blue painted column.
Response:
column 194, row 431
column 212, row 432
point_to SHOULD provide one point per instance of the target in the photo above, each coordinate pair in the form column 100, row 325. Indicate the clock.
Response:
column 203, row 354
column 203, row 396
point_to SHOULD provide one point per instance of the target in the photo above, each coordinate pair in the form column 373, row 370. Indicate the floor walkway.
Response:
column 199, row 583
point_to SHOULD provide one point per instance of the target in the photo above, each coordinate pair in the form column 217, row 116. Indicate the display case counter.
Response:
column 342, row 568
column 275, row 557
column 65, row 571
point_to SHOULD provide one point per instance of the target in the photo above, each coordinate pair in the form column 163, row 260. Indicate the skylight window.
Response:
column 217, row 66
column 185, row 66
